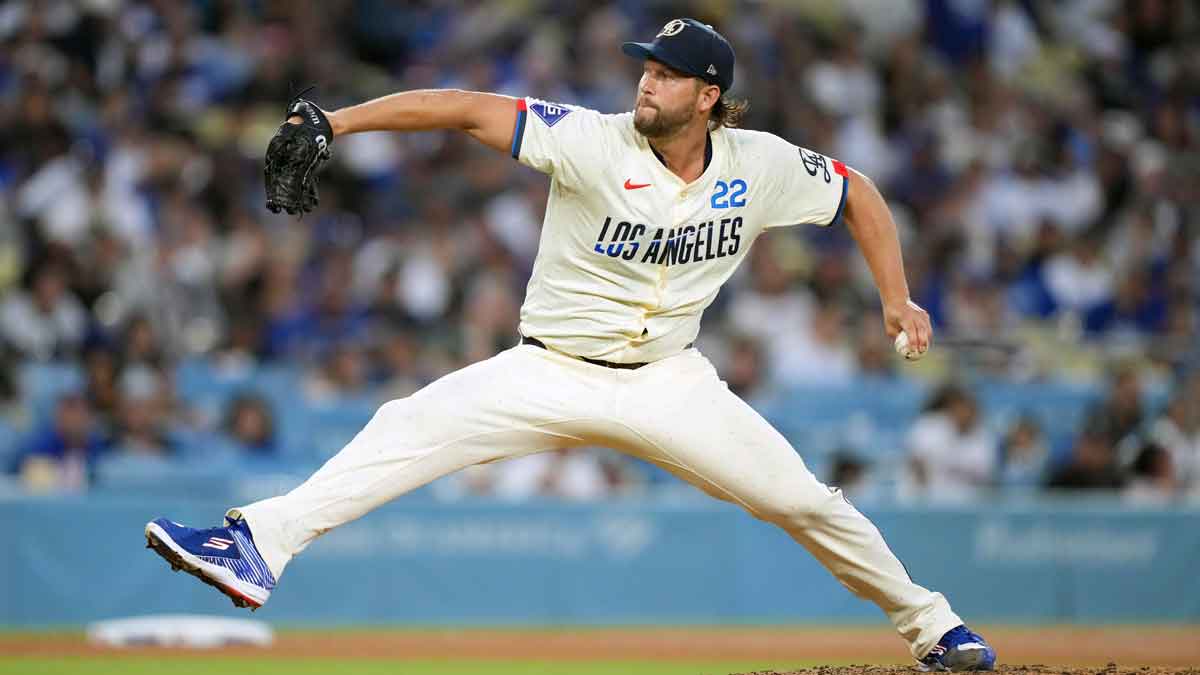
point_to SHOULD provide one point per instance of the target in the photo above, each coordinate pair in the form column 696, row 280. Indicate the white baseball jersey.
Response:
column 630, row 255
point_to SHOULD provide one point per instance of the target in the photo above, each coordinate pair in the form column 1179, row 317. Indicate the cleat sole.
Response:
column 178, row 562
column 962, row 660
column 972, row 660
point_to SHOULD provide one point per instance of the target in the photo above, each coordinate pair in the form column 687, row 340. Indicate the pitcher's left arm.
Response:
column 871, row 223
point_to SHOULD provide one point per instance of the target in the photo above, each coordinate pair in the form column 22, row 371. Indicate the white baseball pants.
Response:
column 676, row 413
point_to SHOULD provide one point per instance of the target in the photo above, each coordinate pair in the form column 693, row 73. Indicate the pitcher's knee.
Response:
column 402, row 425
column 793, row 509
column 420, row 426
column 408, row 415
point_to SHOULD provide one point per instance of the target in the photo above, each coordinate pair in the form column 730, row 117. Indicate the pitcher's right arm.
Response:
column 489, row 118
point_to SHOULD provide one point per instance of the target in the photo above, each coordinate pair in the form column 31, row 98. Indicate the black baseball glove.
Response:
column 294, row 155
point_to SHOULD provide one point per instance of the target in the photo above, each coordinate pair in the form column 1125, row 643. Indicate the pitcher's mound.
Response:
column 1036, row 669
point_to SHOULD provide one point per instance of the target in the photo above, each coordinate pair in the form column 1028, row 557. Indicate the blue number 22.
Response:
column 735, row 189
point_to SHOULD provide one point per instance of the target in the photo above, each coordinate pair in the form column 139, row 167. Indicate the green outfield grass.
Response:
column 192, row 665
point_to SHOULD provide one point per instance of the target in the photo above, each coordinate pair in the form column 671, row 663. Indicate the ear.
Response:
column 708, row 97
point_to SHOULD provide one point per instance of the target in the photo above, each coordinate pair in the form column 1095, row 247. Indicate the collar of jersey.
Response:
column 707, row 154
column 711, row 155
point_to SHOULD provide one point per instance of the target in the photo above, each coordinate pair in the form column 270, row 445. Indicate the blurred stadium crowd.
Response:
column 1042, row 159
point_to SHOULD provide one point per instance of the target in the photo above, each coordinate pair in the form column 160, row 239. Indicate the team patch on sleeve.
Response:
column 550, row 113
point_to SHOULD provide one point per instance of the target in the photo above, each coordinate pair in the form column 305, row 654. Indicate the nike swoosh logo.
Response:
column 634, row 186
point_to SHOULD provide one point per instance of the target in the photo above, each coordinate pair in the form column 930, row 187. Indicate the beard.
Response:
column 659, row 123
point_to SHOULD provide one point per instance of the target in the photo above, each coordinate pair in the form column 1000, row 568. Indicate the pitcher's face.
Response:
column 667, row 100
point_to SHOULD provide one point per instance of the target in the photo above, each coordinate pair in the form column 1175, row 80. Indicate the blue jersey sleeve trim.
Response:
column 837, row 216
column 519, row 130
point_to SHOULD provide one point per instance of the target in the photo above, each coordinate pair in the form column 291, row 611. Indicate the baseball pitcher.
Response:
column 649, row 213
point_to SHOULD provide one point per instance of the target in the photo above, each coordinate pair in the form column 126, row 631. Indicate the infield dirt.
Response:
column 1110, row 669
column 1074, row 650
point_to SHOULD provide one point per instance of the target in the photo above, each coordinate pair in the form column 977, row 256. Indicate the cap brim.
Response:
column 638, row 50
column 646, row 50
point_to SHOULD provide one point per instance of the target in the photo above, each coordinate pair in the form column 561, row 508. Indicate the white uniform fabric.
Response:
column 675, row 412
column 630, row 255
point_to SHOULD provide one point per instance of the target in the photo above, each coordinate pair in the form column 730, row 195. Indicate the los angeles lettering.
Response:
column 675, row 246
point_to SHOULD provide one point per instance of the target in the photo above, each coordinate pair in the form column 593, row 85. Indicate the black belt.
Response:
column 596, row 362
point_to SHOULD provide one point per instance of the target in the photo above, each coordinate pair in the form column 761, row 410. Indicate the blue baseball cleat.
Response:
column 960, row 649
column 224, row 557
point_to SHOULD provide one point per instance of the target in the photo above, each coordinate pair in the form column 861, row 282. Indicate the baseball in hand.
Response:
column 903, row 348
